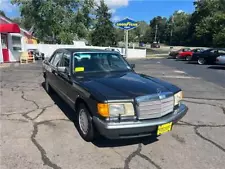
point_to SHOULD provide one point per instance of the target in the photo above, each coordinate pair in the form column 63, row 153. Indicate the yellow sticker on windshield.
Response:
column 79, row 69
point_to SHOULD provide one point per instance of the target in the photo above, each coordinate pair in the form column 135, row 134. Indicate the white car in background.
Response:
column 116, row 50
column 220, row 60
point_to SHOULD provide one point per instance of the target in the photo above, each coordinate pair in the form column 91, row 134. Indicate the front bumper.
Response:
column 139, row 128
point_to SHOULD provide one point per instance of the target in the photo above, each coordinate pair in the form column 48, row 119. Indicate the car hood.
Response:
column 125, row 85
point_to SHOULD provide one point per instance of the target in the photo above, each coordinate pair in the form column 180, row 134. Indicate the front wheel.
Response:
column 85, row 124
column 201, row 61
column 188, row 58
column 48, row 88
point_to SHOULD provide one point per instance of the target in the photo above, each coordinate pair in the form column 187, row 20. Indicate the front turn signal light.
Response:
column 103, row 109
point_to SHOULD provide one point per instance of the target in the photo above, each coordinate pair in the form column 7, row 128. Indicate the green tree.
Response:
column 104, row 32
column 17, row 20
column 210, row 22
column 159, row 23
column 119, row 35
column 179, row 23
column 53, row 19
column 136, row 34
column 147, row 38
column 2, row 13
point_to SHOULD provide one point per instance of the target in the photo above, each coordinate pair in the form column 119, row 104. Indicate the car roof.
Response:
column 86, row 50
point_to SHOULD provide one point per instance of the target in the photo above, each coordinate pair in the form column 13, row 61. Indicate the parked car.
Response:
column 116, row 50
column 186, row 55
column 36, row 53
column 173, row 54
column 109, row 97
column 207, row 56
column 155, row 45
column 220, row 60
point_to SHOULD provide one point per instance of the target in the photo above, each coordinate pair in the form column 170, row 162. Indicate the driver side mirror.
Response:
column 132, row 66
column 62, row 69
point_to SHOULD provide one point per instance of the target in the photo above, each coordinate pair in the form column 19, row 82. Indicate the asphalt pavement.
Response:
column 37, row 130
column 211, row 73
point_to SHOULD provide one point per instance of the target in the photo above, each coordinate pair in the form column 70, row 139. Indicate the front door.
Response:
column 5, row 50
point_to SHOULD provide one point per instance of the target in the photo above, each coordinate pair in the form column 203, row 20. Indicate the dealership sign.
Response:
column 127, row 24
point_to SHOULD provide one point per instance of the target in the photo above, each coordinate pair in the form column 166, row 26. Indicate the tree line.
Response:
column 62, row 21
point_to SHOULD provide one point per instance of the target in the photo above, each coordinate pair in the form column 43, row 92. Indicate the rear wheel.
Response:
column 85, row 124
column 201, row 61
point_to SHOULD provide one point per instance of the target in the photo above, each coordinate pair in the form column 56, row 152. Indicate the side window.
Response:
column 52, row 58
column 214, row 51
column 65, row 61
column 222, row 52
column 56, row 59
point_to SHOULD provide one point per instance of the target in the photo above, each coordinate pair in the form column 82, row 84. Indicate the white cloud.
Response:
column 116, row 18
column 180, row 11
column 6, row 6
column 115, row 3
column 112, row 11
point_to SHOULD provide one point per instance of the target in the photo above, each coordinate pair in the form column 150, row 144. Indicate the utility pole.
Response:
column 156, row 31
column 126, row 48
column 171, row 31
column 171, row 35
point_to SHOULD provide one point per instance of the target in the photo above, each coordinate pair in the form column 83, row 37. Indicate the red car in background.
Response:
column 186, row 55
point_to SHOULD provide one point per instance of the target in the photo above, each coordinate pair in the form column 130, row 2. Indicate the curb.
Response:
column 5, row 65
column 157, row 56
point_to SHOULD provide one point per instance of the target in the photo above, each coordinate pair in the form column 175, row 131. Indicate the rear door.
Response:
column 52, row 73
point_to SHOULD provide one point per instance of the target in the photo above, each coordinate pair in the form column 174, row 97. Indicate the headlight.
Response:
column 116, row 109
column 178, row 97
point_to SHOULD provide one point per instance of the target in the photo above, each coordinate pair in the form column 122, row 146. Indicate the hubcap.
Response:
column 83, row 121
column 188, row 58
column 201, row 61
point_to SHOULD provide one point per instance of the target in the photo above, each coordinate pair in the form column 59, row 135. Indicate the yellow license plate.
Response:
column 164, row 128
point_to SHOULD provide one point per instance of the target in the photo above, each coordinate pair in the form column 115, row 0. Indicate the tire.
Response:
column 84, row 123
column 201, row 61
column 188, row 58
column 48, row 88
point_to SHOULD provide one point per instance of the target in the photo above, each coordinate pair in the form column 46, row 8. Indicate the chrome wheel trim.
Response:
column 83, row 121
column 201, row 61
column 188, row 58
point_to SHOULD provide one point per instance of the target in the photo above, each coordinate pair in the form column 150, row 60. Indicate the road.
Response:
column 37, row 130
column 211, row 73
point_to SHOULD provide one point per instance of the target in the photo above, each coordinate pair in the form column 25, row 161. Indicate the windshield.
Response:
column 99, row 62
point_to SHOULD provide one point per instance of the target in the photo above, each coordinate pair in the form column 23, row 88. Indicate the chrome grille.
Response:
column 155, row 108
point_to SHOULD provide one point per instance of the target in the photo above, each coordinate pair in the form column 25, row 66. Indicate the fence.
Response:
column 48, row 49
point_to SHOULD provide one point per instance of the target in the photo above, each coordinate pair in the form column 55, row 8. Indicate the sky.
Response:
column 137, row 10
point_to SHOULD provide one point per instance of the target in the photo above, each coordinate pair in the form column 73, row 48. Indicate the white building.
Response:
column 13, row 40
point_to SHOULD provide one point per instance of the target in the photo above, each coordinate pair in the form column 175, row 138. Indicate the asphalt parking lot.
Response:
column 37, row 130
